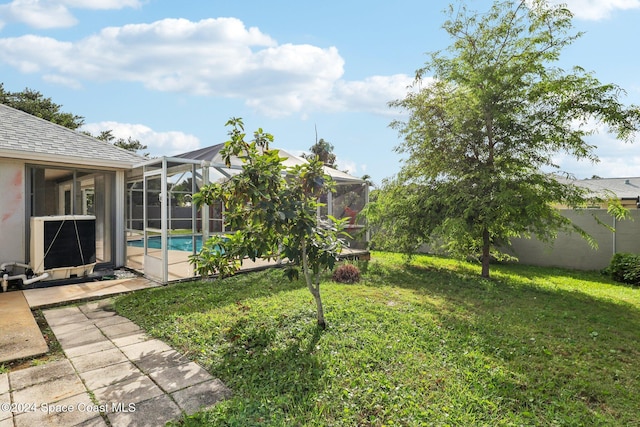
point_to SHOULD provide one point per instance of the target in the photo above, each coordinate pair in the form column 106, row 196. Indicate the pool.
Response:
column 174, row 243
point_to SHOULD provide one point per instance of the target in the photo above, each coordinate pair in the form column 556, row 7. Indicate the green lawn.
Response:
column 427, row 344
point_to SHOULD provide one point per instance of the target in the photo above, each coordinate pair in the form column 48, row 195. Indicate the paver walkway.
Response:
column 112, row 369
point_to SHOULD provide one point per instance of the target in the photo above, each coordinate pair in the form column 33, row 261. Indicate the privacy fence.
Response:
column 570, row 250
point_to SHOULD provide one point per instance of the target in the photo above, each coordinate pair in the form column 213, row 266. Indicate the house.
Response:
column 611, row 235
column 47, row 169
column 627, row 190
column 141, row 208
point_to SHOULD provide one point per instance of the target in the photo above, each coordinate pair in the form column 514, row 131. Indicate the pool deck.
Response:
column 181, row 269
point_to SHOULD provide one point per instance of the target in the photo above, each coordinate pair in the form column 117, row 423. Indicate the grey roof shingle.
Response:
column 623, row 188
column 25, row 135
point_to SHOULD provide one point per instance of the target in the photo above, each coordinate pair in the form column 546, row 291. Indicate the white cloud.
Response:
column 595, row 10
column 212, row 57
column 616, row 159
column 61, row 80
column 37, row 14
column 44, row 14
column 158, row 143
column 373, row 93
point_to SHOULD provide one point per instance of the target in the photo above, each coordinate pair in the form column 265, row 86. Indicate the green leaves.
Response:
column 482, row 131
column 274, row 212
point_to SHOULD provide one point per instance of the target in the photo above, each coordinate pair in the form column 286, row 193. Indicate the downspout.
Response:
column 614, row 235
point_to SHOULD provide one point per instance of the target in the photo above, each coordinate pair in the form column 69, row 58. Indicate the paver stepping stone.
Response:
column 131, row 391
column 109, row 375
column 90, row 336
column 67, row 328
column 63, row 316
column 120, row 329
column 70, row 411
column 81, row 350
column 175, row 378
column 4, row 400
column 131, row 339
column 93, row 422
column 144, row 349
column 4, row 383
column 150, row 413
column 100, row 359
column 200, row 396
column 99, row 314
column 161, row 360
column 50, row 391
column 112, row 320
column 39, row 374
column 99, row 305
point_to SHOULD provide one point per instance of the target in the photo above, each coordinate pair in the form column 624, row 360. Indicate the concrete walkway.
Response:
column 20, row 335
column 112, row 370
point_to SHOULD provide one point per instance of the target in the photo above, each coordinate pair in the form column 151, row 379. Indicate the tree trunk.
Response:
column 314, row 289
column 486, row 252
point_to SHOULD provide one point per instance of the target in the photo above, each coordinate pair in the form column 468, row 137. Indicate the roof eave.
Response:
column 53, row 158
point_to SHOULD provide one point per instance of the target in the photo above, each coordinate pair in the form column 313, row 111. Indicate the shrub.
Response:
column 346, row 273
column 625, row 267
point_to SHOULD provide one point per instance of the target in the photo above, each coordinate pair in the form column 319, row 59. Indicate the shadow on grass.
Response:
column 270, row 380
column 202, row 296
column 533, row 348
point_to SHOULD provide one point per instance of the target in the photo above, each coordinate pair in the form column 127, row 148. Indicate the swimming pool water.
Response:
column 174, row 243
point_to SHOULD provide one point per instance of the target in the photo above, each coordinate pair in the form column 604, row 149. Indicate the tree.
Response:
column 35, row 103
column 323, row 150
column 480, row 134
column 128, row 144
column 274, row 212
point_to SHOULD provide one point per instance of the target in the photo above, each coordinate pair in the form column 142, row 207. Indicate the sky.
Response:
column 171, row 73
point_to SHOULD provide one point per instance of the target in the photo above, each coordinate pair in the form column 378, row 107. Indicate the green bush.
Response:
column 346, row 273
column 625, row 267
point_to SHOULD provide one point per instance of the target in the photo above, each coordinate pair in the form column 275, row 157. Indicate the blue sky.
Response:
column 171, row 73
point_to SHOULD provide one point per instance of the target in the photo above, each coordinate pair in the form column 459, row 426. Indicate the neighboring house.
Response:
column 627, row 190
column 570, row 249
column 47, row 169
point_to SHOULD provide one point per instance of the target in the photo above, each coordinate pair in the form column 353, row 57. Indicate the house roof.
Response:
column 623, row 188
column 212, row 154
column 23, row 136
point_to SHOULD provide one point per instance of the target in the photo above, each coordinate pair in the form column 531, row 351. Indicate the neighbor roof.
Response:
column 23, row 136
column 623, row 188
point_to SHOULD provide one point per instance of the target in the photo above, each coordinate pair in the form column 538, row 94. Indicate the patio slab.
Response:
column 20, row 335
column 44, row 297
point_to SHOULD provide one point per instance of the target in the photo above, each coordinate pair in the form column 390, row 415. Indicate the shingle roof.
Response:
column 623, row 188
column 28, row 137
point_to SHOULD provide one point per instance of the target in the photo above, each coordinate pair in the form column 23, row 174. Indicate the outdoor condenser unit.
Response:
column 63, row 246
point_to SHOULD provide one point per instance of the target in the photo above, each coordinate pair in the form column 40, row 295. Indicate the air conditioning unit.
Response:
column 63, row 246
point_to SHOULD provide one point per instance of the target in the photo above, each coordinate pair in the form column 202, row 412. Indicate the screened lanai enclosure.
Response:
column 164, row 227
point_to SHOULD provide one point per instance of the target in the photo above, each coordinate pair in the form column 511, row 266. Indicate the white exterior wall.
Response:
column 12, row 211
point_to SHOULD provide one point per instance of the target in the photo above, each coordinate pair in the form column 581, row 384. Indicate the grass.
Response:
column 431, row 343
